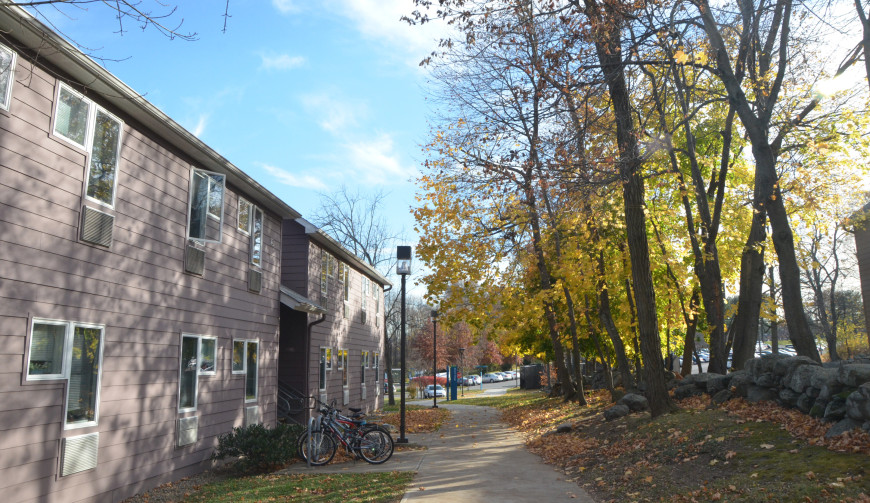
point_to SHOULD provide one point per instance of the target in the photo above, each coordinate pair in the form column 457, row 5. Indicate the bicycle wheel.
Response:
column 376, row 445
column 322, row 447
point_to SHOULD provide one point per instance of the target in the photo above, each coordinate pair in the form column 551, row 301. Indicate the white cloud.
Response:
column 281, row 62
column 375, row 162
column 287, row 178
column 200, row 125
column 332, row 114
column 286, row 6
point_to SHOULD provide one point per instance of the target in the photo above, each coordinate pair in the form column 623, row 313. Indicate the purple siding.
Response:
column 137, row 289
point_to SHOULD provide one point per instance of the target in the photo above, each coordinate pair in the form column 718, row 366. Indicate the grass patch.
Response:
column 343, row 487
column 695, row 454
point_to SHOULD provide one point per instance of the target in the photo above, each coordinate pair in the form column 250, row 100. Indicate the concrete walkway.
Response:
column 473, row 457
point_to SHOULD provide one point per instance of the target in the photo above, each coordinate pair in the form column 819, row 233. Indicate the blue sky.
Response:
column 302, row 95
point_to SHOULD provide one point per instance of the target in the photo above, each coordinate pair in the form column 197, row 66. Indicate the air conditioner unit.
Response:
column 79, row 454
column 96, row 227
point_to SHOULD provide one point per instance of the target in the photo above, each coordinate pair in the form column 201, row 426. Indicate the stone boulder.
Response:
column 616, row 412
column 836, row 409
column 722, row 396
column 564, row 428
column 858, row 403
column 841, row 427
column 854, row 374
column 759, row 394
column 805, row 403
column 740, row 381
column 788, row 397
column 763, row 365
column 767, row 380
column 801, row 377
column 717, row 383
column 634, row 402
column 826, row 376
column 784, row 367
column 701, row 380
column 686, row 391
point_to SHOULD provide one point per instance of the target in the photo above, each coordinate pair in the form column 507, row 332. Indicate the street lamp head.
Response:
column 434, row 314
column 403, row 260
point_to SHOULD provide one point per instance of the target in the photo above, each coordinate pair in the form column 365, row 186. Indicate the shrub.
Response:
column 257, row 447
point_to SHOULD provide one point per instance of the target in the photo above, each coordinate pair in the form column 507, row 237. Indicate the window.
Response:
column 245, row 362
column 206, row 205
column 324, row 279
column 377, row 297
column 341, row 271
column 7, row 67
column 47, row 340
column 72, row 115
column 332, row 266
column 364, row 295
column 198, row 356
column 74, row 352
column 105, row 152
column 81, row 122
column 377, row 366
column 257, row 237
column 244, row 219
column 325, row 364
column 346, row 291
column 342, row 365
column 363, row 365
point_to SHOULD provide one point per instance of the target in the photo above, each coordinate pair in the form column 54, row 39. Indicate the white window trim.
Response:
column 63, row 364
column 88, row 145
column 253, row 216
column 91, row 116
column 91, row 130
column 244, row 370
column 345, row 369
column 181, row 370
column 68, row 372
column 199, row 352
column 329, row 353
column 6, row 103
column 207, row 213
column 243, row 201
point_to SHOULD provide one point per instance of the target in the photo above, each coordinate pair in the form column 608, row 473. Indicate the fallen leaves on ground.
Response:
column 419, row 420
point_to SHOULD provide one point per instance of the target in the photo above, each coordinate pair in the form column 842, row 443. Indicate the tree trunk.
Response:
column 610, row 57
column 745, row 324
column 606, row 318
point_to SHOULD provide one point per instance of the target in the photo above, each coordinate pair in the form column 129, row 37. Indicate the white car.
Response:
column 491, row 377
column 437, row 392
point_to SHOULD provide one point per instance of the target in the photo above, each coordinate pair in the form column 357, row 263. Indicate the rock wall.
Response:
column 838, row 392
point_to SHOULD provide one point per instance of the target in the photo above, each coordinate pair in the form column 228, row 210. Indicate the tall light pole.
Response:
column 403, row 269
column 434, row 315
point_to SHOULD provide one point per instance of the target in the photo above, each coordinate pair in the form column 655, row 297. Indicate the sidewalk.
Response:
column 473, row 457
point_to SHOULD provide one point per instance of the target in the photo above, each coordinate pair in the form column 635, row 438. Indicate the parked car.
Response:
column 437, row 392
column 492, row 377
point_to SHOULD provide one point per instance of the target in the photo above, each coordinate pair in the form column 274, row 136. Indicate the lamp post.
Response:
column 461, row 369
column 434, row 315
column 403, row 269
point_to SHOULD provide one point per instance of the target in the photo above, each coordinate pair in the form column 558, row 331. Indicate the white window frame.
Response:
column 244, row 370
column 214, row 356
column 364, row 364
column 63, row 86
column 326, row 360
column 343, row 366
column 376, row 365
column 364, row 295
column 208, row 213
column 198, row 370
column 66, row 366
column 256, row 213
column 6, row 102
column 63, row 358
column 88, row 145
column 244, row 202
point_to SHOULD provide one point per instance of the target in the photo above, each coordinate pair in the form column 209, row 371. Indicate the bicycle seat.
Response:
column 353, row 409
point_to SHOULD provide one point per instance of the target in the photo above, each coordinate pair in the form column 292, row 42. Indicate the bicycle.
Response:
column 371, row 442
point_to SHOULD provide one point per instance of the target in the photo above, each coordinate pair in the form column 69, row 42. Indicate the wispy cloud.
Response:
column 286, row 6
column 375, row 162
column 312, row 182
column 333, row 114
column 200, row 125
column 281, row 62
